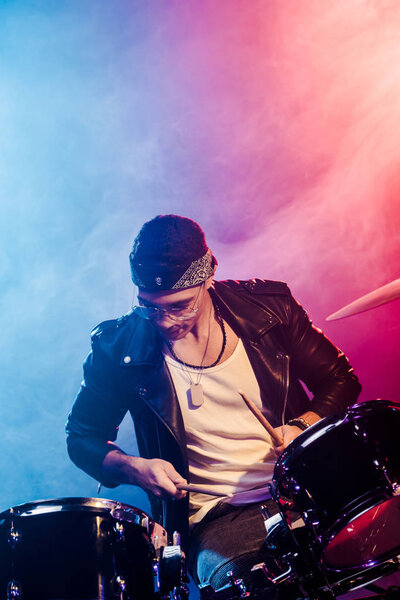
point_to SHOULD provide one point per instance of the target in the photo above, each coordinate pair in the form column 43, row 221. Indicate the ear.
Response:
column 208, row 283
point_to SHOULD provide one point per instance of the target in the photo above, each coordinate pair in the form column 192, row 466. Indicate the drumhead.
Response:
column 123, row 512
column 375, row 534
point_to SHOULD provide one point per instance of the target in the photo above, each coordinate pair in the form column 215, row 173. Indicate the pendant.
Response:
column 196, row 394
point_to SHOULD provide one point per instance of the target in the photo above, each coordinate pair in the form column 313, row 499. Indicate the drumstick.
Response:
column 264, row 422
column 189, row 487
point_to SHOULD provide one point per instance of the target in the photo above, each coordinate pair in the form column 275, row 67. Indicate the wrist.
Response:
column 300, row 422
column 123, row 468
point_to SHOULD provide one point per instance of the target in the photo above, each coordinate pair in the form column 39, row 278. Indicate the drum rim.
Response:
column 340, row 524
column 297, row 445
column 77, row 504
column 351, row 581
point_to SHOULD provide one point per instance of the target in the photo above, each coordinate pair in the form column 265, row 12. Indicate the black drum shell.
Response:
column 72, row 549
column 341, row 466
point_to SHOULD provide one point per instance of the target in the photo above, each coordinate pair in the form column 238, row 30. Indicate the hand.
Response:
column 158, row 477
column 287, row 433
column 154, row 475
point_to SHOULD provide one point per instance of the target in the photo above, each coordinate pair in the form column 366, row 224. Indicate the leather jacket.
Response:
column 125, row 371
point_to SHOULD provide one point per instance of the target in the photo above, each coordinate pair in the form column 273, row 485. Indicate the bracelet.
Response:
column 300, row 423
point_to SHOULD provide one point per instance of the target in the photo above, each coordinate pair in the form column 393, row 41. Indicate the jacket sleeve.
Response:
column 324, row 368
column 92, row 424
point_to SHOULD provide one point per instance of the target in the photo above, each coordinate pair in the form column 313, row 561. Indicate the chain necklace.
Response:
column 196, row 389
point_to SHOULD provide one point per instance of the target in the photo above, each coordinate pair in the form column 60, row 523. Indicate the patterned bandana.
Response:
column 161, row 276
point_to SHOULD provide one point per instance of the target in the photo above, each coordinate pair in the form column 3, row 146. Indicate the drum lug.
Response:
column 235, row 589
column 14, row 537
column 396, row 489
column 238, row 585
column 156, row 575
column 14, row 590
column 311, row 519
column 121, row 585
column 120, row 532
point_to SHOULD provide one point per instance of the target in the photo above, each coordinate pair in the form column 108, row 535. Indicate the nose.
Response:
column 163, row 320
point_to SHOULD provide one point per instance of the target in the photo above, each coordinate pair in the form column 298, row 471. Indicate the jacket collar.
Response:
column 248, row 317
column 144, row 344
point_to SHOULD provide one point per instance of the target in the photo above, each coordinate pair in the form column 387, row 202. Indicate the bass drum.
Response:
column 78, row 548
column 343, row 476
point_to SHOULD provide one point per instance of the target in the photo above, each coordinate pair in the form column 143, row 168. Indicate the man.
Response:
column 177, row 363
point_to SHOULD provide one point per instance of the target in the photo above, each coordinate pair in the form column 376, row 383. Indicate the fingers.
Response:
column 288, row 434
column 278, row 451
column 160, row 478
column 280, row 434
column 175, row 478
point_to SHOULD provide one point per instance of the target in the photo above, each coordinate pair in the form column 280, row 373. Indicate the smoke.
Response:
column 272, row 124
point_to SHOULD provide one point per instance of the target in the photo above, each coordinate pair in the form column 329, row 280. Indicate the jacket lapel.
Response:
column 152, row 382
column 248, row 317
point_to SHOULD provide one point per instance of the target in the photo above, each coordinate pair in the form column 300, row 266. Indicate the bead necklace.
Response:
column 220, row 321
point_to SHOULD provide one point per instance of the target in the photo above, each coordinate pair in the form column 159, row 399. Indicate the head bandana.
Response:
column 172, row 276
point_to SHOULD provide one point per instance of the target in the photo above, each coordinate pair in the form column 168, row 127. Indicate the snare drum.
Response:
column 79, row 548
column 343, row 476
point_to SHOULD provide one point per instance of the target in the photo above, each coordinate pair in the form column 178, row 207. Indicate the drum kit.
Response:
column 337, row 491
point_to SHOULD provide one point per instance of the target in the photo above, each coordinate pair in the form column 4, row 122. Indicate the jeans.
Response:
column 230, row 538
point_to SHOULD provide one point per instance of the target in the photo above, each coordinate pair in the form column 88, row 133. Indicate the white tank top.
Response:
column 229, row 450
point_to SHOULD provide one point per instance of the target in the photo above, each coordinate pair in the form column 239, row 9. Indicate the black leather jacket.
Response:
column 126, row 372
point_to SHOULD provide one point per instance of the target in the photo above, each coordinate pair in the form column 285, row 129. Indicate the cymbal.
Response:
column 382, row 295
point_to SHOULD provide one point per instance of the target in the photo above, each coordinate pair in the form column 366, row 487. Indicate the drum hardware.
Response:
column 119, row 531
column 311, row 519
column 156, row 575
column 396, row 489
column 176, row 538
column 157, row 533
column 14, row 590
column 121, row 585
column 170, row 570
column 294, row 558
column 181, row 593
column 14, row 535
column 293, row 486
column 265, row 512
column 235, row 589
column 270, row 577
column 272, row 523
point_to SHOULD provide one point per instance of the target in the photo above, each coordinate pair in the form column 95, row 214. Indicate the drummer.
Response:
column 176, row 362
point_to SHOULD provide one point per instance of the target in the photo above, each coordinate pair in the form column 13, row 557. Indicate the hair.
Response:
column 169, row 239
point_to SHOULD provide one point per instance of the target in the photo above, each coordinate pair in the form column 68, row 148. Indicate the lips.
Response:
column 171, row 333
